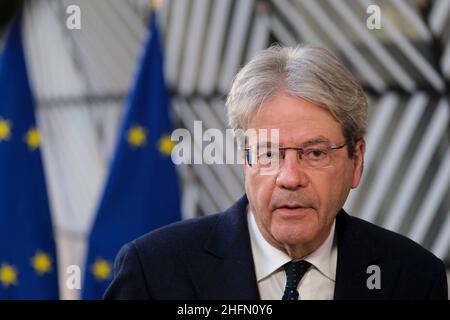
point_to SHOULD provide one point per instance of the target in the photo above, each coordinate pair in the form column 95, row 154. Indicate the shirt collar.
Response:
column 325, row 257
column 269, row 259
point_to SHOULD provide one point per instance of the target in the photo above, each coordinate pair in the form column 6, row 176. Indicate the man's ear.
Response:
column 358, row 162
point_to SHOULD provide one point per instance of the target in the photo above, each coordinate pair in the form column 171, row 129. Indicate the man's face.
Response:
column 295, row 206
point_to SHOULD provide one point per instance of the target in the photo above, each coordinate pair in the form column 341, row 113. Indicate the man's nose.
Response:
column 292, row 174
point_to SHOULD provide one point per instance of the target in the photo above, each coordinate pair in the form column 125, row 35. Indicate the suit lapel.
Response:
column 357, row 250
column 225, row 269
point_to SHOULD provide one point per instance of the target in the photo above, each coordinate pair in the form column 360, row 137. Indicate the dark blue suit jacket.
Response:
column 210, row 258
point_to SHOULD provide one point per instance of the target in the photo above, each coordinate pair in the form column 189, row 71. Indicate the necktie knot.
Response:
column 295, row 270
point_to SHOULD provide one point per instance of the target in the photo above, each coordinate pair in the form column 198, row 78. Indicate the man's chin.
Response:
column 292, row 236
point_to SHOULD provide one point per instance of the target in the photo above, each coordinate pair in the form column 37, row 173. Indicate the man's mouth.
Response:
column 292, row 206
column 292, row 209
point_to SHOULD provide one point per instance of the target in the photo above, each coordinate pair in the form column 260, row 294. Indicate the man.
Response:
column 288, row 237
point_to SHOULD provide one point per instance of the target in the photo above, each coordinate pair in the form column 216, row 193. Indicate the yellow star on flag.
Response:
column 136, row 136
column 165, row 145
column 101, row 269
column 5, row 129
column 41, row 262
column 32, row 138
column 8, row 275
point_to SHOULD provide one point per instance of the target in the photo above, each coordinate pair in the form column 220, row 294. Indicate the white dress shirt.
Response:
column 317, row 283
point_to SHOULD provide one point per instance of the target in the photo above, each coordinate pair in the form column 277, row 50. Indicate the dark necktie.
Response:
column 294, row 273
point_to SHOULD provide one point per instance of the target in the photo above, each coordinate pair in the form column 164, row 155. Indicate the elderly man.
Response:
column 288, row 237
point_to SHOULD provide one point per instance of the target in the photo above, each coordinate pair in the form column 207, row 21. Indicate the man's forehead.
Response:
column 267, row 141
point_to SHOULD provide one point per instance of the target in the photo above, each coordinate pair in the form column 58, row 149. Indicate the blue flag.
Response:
column 28, row 268
column 141, row 192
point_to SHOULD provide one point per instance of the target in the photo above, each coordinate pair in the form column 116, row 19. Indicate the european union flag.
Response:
column 28, row 268
column 141, row 192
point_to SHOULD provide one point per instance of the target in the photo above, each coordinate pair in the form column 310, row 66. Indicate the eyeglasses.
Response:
column 313, row 156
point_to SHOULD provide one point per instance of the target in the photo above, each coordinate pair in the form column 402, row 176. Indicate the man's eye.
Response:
column 267, row 154
column 316, row 154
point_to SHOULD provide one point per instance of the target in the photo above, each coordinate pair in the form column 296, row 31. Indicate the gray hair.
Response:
column 308, row 72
